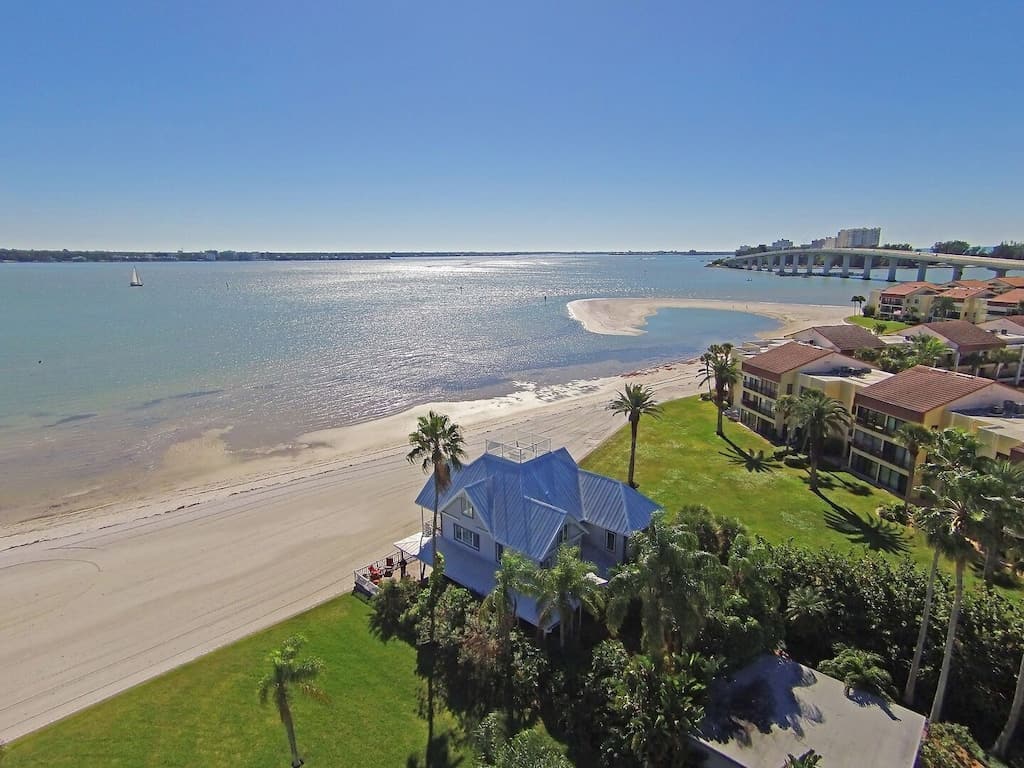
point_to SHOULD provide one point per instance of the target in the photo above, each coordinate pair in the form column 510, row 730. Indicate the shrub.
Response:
column 868, row 310
column 950, row 745
column 394, row 610
column 795, row 462
column 859, row 671
column 894, row 512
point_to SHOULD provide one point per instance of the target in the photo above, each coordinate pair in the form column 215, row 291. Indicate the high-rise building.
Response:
column 861, row 237
column 782, row 244
column 824, row 242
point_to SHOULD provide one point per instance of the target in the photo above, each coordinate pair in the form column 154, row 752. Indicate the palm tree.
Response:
column 951, row 451
column 785, row 406
column 1003, row 511
column 635, row 401
column 942, row 307
column 806, row 607
column 914, row 437
column 931, row 524
column 721, row 368
column 675, row 582
column 857, row 300
column 563, row 587
column 503, row 603
column 438, row 445
column 859, row 670
column 289, row 673
column 819, row 416
column 957, row 505
column 927, row 350
column 1003, row 741
column 975, row 360
column 880, row 329
column 1001, row 357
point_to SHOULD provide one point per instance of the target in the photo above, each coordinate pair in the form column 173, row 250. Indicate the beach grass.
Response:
column 891, row 326
column 681, row 461
column 207, row 712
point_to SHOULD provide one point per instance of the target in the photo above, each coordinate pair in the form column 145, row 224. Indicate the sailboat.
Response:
column 136, row 280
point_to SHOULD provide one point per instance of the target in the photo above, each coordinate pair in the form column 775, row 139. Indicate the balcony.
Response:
column 768, row 389
column 873, row 426
column 887, row 452
column 765, row 409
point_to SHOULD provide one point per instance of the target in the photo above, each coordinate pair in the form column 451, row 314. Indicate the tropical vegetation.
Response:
column 289, row 674
column 634, row 401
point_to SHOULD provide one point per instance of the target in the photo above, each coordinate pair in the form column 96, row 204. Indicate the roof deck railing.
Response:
column 518, row 447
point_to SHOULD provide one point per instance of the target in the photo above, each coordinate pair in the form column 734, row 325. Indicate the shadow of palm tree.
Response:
column 748, row 460
column 876, row 534
column 854, row 487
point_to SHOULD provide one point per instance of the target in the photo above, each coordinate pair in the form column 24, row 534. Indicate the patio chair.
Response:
column 389, row 566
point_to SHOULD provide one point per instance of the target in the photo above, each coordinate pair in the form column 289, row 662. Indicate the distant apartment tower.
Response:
column 824, row 242
column 782, row 244
column 862, row 237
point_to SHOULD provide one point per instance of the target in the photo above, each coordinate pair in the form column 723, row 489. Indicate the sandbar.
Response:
column 627, row 317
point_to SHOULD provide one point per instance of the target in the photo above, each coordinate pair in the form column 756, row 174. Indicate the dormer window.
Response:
column 467, row 509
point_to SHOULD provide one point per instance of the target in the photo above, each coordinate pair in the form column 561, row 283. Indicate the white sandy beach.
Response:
column 100, row 599
column 627, row 317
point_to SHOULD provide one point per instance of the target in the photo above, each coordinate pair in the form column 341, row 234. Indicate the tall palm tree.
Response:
column 932, row 524
column 957, row 504
column 879, row 328
column 720, row 368
column 438, row 446
column 567, row 585
column 819, row 416
column 857, row 300
column 927, row 350
column 914, row 437
column 509, row 581
column 634, row 401
column 290, row 673
column 674, row 580
column 1001, row 357
column 1003, row 741
column 942, row 307
column 1003, row 511
column 950, row 451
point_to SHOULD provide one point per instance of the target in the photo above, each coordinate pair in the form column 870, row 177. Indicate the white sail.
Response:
column 135, row 278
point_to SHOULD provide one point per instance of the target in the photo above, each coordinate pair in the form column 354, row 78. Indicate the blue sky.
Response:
column 496, row 126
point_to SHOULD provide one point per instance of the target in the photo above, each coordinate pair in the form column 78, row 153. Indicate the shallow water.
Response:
column 96, row 375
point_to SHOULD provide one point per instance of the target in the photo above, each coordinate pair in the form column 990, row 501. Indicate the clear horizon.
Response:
column 462, row 127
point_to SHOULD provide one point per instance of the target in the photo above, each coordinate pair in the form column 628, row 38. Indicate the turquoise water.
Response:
column 96, row 374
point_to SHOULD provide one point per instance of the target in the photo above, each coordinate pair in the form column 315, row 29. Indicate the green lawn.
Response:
column 207, row 713
column 681, row 461
column 891, row 326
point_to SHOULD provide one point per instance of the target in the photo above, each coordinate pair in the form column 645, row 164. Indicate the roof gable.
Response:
column 1013, row 297
column 906, row 289
column 846, row 337
column 524, row 505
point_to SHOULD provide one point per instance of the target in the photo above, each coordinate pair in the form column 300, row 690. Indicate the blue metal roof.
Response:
column 524, row 505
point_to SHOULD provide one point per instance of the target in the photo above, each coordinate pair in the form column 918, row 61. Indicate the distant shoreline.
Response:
column 29, row 256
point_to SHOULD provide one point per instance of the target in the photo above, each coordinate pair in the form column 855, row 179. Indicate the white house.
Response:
column 532, row 507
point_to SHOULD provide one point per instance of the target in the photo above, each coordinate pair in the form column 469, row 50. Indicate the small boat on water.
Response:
column 136, row 280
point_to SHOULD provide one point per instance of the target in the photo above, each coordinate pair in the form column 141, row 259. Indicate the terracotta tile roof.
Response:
column 905, row 289
column 963, row 292
column 848, row 337
column 912, row 393
column 1017, row 281
column 972, row 283
column 967, row 337
column 1013, row 297
column 782, row 359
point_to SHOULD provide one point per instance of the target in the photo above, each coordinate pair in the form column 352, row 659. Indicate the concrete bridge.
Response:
column 832, row 261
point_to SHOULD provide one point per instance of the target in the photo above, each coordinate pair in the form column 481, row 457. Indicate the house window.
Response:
column 609, row 541
column 467, row 537
column 467, row 509
column 789, row 389
column 499, row 550
column 563, row 535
